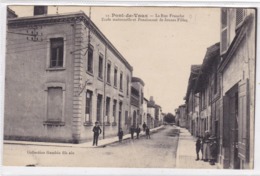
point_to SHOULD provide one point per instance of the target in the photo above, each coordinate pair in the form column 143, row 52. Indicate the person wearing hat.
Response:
column 120, row 134
column 213, row 150
column 96, row 130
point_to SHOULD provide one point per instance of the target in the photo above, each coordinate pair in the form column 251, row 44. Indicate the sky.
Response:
column 161, row 52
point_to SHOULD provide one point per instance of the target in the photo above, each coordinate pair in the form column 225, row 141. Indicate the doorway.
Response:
column 233, row 127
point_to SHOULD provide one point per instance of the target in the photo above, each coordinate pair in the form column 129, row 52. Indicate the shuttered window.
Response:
column 54, row 106
column 224, row 30
column 243, row 118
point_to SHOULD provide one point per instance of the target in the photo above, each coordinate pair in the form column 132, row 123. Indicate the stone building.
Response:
column 192, row 102
column 63, row 75
column 237, row 68
column 137, row 100
column 208, row 88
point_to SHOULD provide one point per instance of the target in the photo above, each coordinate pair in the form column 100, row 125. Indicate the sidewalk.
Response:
column 186, row 153
column 101, row 142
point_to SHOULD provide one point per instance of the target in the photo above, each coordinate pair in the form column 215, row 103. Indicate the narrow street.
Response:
column 157, row 152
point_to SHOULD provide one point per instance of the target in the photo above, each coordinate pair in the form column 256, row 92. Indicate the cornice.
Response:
column 67, row 18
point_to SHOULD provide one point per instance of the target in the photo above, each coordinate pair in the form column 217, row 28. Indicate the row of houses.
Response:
column 220, row 97
column 63, row 75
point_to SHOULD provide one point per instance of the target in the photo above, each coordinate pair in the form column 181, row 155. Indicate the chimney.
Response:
column 40, row 10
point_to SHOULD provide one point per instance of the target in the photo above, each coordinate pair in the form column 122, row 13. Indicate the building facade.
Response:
column 62, row 76
column 192, row 102
column 226, row 88
column 137, row 101
column 238, row 58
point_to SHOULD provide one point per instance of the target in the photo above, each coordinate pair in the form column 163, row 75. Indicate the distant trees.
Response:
column 169, row 118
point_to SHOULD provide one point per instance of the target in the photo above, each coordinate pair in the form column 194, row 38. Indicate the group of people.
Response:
column 137, row 130
column 208, row 147
column 97, row 130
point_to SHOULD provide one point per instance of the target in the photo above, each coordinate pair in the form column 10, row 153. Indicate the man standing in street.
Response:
column 147, row 132
column 96, row 130
column 138, row 130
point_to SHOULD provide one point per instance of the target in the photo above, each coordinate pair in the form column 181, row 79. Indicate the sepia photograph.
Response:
column 130, row 87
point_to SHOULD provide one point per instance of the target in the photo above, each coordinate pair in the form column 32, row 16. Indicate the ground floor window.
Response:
column 88, row 108
column 54, row 104
column 99, row 108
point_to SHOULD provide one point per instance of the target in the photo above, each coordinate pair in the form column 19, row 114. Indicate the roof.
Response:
column 150, row 104
column 194, row 73
column 136, row 79
column 63, row 18
column 212, row 54
column 11, row 13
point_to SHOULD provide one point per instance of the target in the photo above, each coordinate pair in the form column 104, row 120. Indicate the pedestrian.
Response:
column 96, row 130
column 147, row 133
column 206, row 151
column 137, row 130
column 120, row 134
column 144, row 126
column 213, row 150
column 198, row 147
column 132, row 131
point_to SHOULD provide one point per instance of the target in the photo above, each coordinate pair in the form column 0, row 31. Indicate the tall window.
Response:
column 115, row 77
column 99, row 107
column 114, row 110
column 57, row 47
column 54, row 104
column 88, row 108
column 121, row 81
column 108, row 72
column 90, row 60
column 107, row 109
column 100, row 67
column 127, row 85
column 224, row 30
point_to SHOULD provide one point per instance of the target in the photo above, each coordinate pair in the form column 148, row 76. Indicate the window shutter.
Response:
column 226, row 121
column 224, row 30
column 243, row 117
column 224, row 40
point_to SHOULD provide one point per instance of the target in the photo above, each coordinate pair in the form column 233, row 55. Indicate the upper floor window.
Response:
column 127, row 85
column 57, row 49
column 90, row 60
column 121, row 81
column 224, row 30
column 115, row 77
column 109, row 72
column 100, row 67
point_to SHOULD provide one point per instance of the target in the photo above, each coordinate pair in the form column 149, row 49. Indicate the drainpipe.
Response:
column 104, row 107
